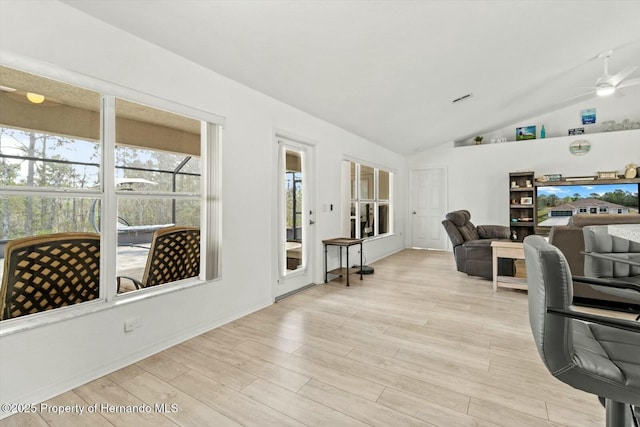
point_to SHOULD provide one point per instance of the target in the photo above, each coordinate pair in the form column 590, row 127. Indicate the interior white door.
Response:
column 428, row 207
column 296, row 217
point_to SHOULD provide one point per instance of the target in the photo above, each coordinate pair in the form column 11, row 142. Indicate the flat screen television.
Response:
column 557, row 203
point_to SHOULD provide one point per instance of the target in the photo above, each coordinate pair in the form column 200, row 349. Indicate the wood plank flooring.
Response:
column 416, row 343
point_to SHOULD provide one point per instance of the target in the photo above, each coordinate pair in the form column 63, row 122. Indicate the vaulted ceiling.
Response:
column 389, row 70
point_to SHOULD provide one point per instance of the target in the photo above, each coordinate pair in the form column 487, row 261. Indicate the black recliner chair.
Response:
column 472, row 245
column 593, row 353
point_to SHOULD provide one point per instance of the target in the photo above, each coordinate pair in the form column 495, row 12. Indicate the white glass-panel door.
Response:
column 296, row 217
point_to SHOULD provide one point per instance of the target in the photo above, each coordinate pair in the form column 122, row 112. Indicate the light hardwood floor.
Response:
column 416, row 343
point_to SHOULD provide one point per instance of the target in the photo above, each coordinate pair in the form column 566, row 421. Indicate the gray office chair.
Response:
column 597, row 354
column 613, row 258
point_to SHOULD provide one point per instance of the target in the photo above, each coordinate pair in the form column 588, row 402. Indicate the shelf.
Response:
column 593, row 181
column 522, row 188
column 339, row 272
column 522, row 206
column 551, row 139
column 522, row 224
column 512, row 282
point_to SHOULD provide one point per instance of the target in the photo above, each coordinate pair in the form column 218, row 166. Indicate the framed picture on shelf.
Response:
column 526, row 132
column 588, row 116
column 526, row 200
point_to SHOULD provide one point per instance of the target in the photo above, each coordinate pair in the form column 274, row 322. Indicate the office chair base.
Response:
column 618, row 414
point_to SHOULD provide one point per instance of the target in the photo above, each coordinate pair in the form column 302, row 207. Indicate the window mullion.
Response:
column 358, row 199
column 390, row 227
column 109, row 240
column 376, row 199
column 211, row 224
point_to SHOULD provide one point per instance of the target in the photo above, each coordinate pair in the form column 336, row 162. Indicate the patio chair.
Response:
column 49, row 271
column 174, row 255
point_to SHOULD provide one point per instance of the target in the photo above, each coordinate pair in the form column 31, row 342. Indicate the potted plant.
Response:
column 478, row 140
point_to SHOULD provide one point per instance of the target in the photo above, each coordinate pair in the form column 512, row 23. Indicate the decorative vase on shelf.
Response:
column 543, row 133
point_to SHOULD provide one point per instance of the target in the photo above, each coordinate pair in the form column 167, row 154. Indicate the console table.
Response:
column 341, row 242
column 504, row 249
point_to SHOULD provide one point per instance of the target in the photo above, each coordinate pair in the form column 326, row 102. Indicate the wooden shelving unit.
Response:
column 522, row 205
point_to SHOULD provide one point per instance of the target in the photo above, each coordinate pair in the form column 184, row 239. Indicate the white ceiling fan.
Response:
column 608, row 84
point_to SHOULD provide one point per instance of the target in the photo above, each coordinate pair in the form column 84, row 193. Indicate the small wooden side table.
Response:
column 504, row 249
column 341, row 242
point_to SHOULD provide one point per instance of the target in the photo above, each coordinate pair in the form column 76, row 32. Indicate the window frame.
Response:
column 120, row 195
column 352, row 186
column 210, row 192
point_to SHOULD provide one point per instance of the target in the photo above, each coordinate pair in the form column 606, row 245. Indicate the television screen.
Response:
column 557, row 203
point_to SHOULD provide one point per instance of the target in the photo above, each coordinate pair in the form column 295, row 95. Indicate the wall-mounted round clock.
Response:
column 580, row 147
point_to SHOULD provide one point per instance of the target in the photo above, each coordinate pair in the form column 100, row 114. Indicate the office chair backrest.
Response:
column 549, row 284
column 49, row 271
column 174, row 255
column 597, row 239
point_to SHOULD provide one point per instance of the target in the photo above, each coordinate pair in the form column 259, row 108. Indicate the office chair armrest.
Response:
column 607, row 283
column 627, row 325
column 136, row 282
column 611, row 258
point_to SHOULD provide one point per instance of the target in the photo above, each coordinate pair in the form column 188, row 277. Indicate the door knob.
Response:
column 311, row 222
column 414, row 212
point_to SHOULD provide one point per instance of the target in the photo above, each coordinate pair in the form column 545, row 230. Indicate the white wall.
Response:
column 478, row 175
column 40, row 362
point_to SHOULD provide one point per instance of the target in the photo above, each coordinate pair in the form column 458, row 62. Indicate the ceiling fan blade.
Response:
column 627, row 83
column 581, row 96
column 615, row 80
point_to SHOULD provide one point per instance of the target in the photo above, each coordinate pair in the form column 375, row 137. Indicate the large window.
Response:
column 369, row 200
column 157, row 180
column 75, row 162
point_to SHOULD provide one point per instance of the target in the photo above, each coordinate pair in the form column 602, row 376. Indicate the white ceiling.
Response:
column 389, row 70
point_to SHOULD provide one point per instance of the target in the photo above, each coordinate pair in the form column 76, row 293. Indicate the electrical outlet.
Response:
column 133, row 323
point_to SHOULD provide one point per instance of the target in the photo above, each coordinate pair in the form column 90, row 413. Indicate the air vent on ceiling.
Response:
column 463, row 97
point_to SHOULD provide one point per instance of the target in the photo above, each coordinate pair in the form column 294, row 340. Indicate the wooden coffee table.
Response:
column 514, row 250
